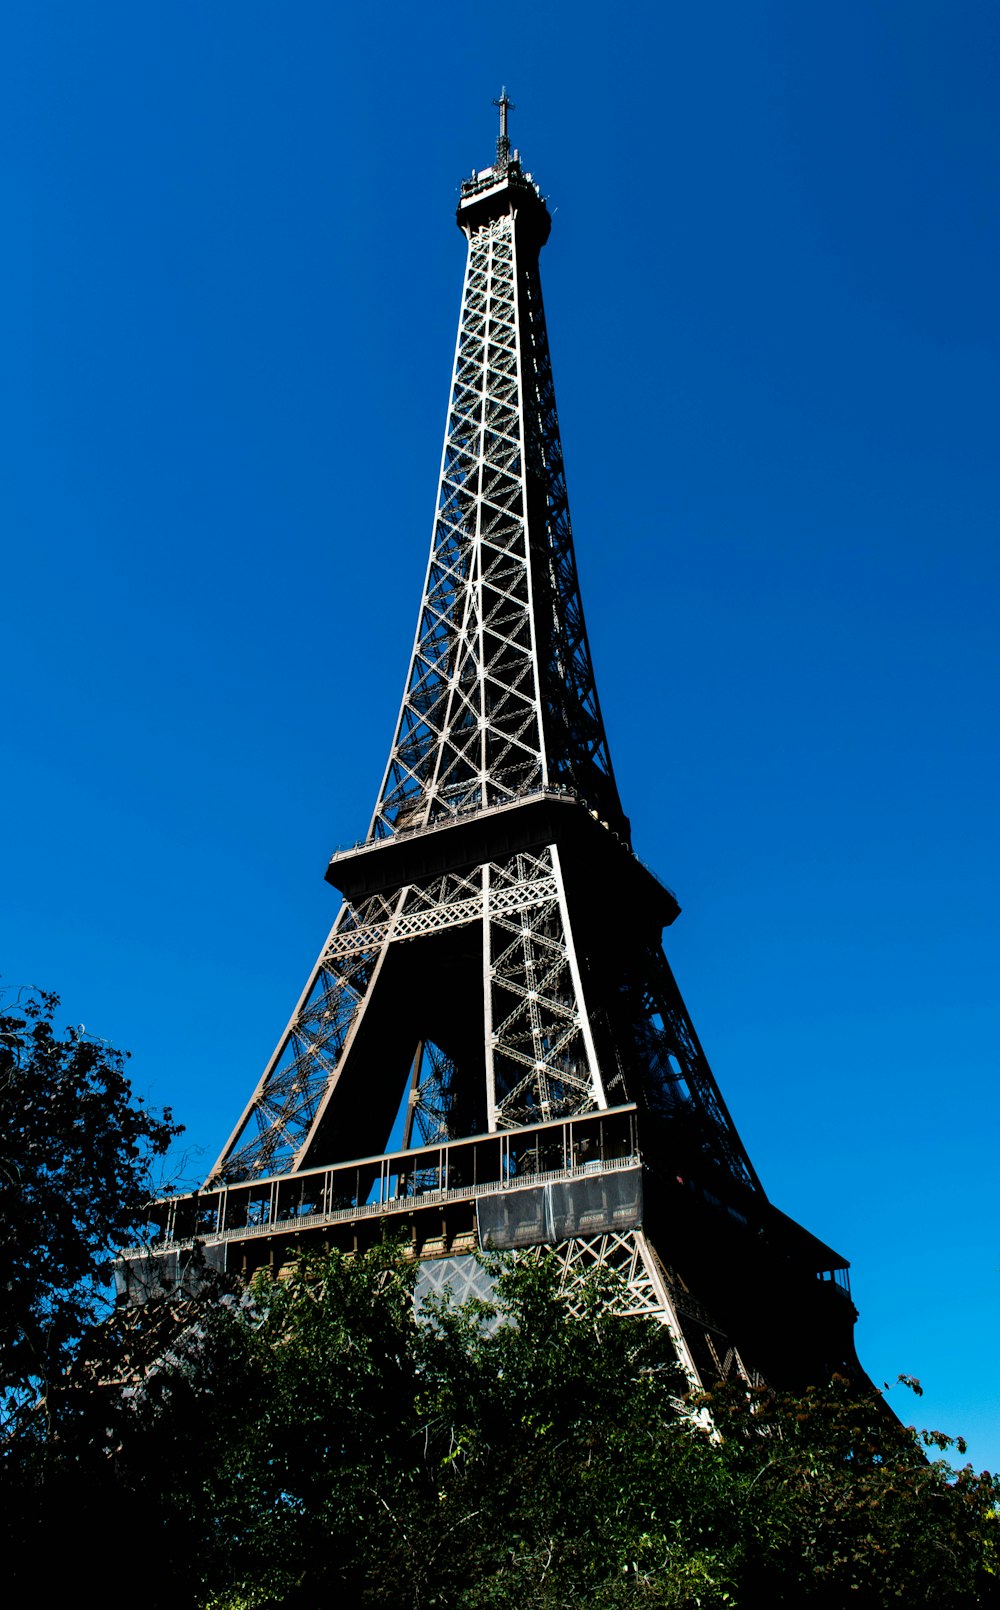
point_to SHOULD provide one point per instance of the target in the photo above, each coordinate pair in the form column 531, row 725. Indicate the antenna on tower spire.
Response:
column 503, row 143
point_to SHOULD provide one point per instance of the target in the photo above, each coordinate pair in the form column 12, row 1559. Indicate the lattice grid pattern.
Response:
column 576, row 744
column 540, row 1057
column 283, row 1108
column 469, row 730
column 640, row 1288
column 431, row 1097
column 500, row 700
column 638, row 1291
column 501, row 695
column 658, row 1036
column 540, row 1050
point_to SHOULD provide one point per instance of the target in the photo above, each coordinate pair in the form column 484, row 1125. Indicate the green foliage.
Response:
column 529, row 1428
column 840, row 1504
column 310, row 1444
column 75, row 1153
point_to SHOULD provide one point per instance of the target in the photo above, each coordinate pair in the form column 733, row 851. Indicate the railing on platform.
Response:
column 467, row 1168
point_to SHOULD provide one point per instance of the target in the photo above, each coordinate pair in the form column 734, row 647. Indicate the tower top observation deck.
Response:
column 504, row 188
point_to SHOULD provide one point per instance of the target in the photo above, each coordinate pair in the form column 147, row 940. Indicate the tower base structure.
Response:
column 744, row 1291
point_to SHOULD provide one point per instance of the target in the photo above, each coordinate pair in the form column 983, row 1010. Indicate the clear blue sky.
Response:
column 229, row 288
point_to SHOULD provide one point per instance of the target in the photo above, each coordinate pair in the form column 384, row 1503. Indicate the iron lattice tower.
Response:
column 491, row 1047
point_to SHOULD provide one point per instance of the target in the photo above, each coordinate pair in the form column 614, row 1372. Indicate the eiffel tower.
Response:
column 491, row 1049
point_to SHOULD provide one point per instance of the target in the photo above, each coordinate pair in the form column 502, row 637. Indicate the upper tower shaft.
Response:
column 500, row 699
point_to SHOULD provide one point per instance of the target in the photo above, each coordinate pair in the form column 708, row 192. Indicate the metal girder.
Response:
column 540, row 1057
column 430, row 916
column 645, row 1288
column 500, row 695
column 500, row 703
column 641, row 1288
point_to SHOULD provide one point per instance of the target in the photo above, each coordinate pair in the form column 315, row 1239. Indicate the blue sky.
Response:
column 229, row 294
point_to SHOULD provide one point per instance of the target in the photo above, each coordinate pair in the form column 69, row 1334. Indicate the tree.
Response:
column 840, row 1504
column 76, row 1154
column 310, row 1442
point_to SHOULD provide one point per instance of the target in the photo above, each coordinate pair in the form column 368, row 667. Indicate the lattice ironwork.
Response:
column 431, row 1096
column 500, row 705
column 541, row 1059
column 652, row 1030
column 539, row 1051
column 501, row 695
column 643, row 1287
column 639, row 1288
column 469, row 730
column 491, row 1047
column 283, row 1108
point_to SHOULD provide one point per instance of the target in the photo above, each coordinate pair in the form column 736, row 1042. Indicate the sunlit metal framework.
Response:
column 500, row 707
column 496, row 966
